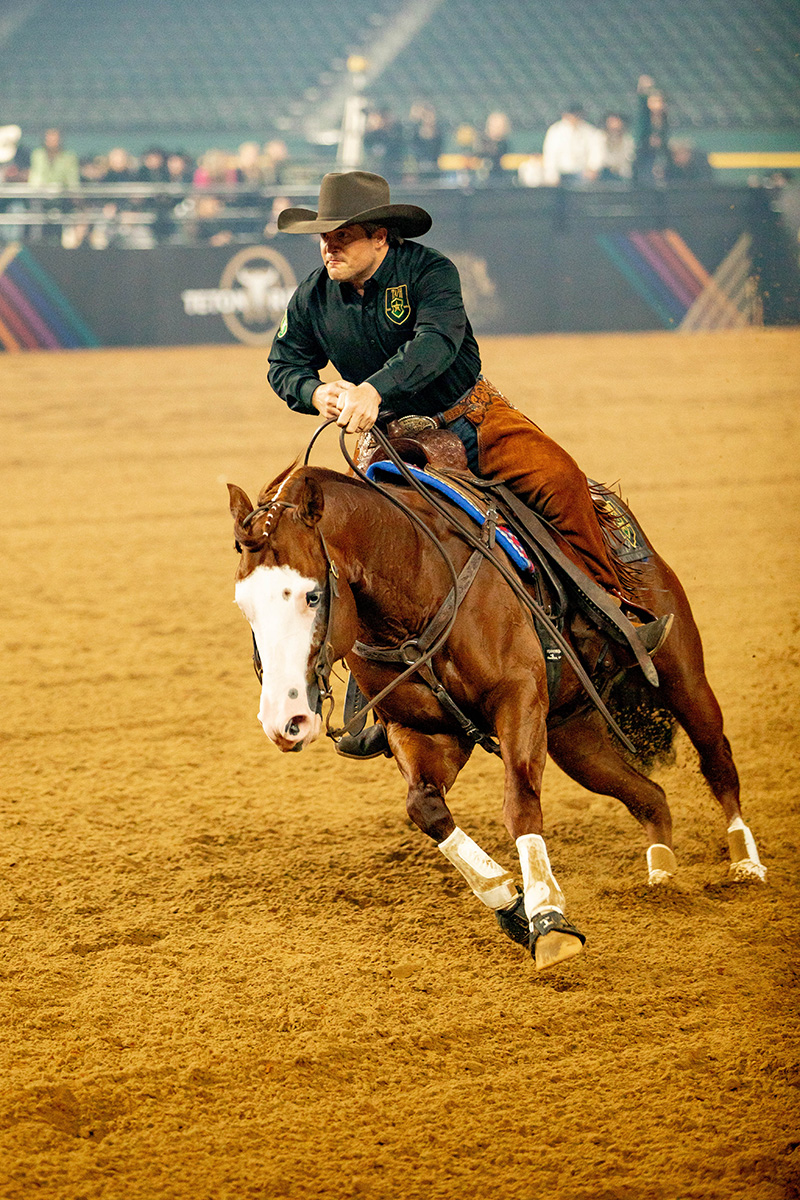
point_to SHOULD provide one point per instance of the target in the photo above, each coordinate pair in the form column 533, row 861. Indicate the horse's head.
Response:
column 284, row 587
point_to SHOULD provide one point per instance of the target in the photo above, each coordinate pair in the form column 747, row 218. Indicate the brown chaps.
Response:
column 515, row 452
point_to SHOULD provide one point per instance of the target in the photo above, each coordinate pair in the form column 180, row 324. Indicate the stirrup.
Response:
column 370, row 743
column 655, row 633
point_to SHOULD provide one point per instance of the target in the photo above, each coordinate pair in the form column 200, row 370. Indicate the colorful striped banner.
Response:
column 660, row 266
column 34, row 312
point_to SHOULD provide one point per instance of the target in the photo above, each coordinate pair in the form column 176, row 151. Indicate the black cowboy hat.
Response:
column 351, row 198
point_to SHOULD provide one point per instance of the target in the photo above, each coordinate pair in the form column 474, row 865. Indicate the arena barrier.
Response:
column 531, row 261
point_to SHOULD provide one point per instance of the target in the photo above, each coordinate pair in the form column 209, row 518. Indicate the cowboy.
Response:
column 388, row 314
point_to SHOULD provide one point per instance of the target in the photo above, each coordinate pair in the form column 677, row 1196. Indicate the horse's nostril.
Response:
column 293, row 726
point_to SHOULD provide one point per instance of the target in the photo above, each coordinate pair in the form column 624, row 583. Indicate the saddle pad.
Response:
column 623, row 534
column 451, row 491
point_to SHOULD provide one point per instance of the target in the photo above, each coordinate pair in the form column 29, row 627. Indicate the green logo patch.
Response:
column 398, row 308
column 284, row 325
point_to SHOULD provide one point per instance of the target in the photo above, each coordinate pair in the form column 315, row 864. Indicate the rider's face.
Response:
column 350, row 256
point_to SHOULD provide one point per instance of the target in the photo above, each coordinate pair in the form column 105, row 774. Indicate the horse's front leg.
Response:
column 522, row 733
column 430, row 764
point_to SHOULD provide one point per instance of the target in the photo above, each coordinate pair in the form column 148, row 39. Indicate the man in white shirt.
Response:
column 572, row 150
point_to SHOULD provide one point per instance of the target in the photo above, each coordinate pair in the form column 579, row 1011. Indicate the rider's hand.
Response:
column 326, row 398
column 358, row 407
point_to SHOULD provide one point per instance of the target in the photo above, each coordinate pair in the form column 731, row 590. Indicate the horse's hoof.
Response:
column 555, row 948
column 661, row 865
column 513, row 921
column 554, row 939
column 747, row 871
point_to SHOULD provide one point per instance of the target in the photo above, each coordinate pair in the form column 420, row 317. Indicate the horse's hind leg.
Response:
column 583, row 749
column 688, row 695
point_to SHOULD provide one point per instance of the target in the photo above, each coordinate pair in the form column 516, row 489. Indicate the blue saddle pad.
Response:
column 450, row 489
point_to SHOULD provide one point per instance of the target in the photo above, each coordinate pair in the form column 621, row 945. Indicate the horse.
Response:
column 331, row 570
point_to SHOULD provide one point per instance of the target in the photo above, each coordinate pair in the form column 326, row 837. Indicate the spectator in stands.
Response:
column 153, row 168
column 119, row 168
column 249, row 165
column 425, row 139
column 572, row 151
column 9, row 144
column 494, row 143
column 384, row 144
column 687, row 164
column 273, row 161
column 179, row 167
column 617, row 149
column 651, row 135
column 52, row 165
column 11, row 171
column 215, row 167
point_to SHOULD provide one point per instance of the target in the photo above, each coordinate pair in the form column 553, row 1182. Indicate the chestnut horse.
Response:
column 327, row 562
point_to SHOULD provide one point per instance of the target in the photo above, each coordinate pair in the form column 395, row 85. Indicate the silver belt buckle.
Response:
column 411, row 425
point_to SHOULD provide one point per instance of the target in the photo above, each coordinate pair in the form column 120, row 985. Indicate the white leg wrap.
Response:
column 745, row 863
column 493, row 885
column 661, row 864
column 542, row 892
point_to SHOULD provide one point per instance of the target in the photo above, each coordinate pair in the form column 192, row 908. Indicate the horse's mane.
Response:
column 268, row 492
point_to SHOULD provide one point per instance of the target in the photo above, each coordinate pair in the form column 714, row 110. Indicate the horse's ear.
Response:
column 311, row 503
column 240, row 504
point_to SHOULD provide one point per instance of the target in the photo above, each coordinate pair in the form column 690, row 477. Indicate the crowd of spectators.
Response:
column 641, row 153
column 165, row 194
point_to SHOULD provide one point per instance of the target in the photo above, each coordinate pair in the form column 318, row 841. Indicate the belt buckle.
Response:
column 408, row 426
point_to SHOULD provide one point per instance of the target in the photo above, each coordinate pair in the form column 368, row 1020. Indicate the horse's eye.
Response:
column 313, row 599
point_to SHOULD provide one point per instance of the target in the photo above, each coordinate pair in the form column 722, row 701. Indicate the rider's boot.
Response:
column 652, row 632
column 370, row 743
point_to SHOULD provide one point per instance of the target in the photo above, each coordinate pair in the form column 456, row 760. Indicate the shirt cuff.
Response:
column 304, row 394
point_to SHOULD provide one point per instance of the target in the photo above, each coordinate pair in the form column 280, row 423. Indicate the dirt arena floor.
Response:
column 229, row 973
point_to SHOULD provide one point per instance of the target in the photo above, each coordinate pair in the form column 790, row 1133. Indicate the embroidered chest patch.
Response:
column 397, row 305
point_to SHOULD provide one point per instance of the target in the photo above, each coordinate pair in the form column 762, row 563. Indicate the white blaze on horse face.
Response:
column 275, row 601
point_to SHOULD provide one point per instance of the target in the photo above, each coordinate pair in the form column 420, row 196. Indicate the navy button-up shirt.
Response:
column 408, row 335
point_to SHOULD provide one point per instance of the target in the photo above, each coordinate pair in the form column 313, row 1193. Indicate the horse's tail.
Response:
column 650, row 726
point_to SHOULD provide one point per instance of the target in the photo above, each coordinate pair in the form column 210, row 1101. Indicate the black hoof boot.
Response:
column 370, row 743
column 513, row 921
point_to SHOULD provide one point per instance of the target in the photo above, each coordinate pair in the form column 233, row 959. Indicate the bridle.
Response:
column 416, row 652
